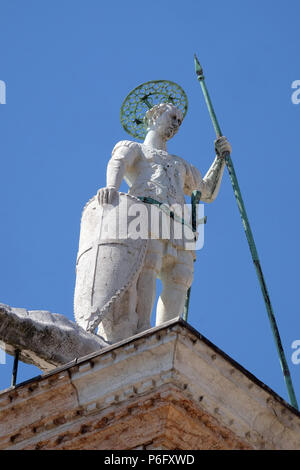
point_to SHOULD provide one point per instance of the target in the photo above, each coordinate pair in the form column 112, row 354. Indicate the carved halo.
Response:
column 143, row 98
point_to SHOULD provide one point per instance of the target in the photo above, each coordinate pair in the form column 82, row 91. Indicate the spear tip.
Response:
column 198, row 68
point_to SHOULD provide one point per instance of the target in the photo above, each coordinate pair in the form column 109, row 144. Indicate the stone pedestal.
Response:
column 166, row 388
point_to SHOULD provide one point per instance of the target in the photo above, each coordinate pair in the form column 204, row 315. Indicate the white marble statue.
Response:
column 116, row 279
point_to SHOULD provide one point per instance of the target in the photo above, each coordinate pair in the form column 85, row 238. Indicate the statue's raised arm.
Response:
column 209, row 185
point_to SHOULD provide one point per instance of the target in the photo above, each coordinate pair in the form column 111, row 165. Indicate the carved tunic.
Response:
column 166, row 178
column 157, row 174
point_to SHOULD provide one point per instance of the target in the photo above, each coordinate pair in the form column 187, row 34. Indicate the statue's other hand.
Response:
column 106, row 195
column 222, row 146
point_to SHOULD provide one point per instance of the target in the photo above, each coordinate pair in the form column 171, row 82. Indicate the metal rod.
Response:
column 15, row 368
column 186, row 305
column 251, row 242
column 196, row 196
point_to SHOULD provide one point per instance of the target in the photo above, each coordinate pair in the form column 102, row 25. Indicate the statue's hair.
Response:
column 153, row 113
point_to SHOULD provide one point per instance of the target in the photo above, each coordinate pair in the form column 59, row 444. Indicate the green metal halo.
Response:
column 143, row 98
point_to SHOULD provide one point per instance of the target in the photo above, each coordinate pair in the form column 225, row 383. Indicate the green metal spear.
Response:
column 251, row 242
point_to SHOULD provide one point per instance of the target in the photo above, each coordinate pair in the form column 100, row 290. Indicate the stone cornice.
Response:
column 173, row 366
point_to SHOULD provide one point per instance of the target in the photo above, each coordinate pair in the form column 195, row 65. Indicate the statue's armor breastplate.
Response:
column 159, row 175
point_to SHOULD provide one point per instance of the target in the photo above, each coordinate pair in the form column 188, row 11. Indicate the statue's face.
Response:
column 168, row 123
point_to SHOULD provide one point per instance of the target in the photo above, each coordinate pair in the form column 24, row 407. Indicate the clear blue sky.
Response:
column 68, row 65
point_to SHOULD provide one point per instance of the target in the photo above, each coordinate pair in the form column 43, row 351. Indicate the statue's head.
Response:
column 164, row 118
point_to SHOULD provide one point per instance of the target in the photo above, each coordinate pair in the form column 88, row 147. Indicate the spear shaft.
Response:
column 251, row 242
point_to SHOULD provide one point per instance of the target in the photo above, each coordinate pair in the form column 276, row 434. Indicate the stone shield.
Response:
column 110, row 257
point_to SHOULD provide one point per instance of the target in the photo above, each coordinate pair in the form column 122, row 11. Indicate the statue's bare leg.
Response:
column 176, row 276
column 146, row 285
